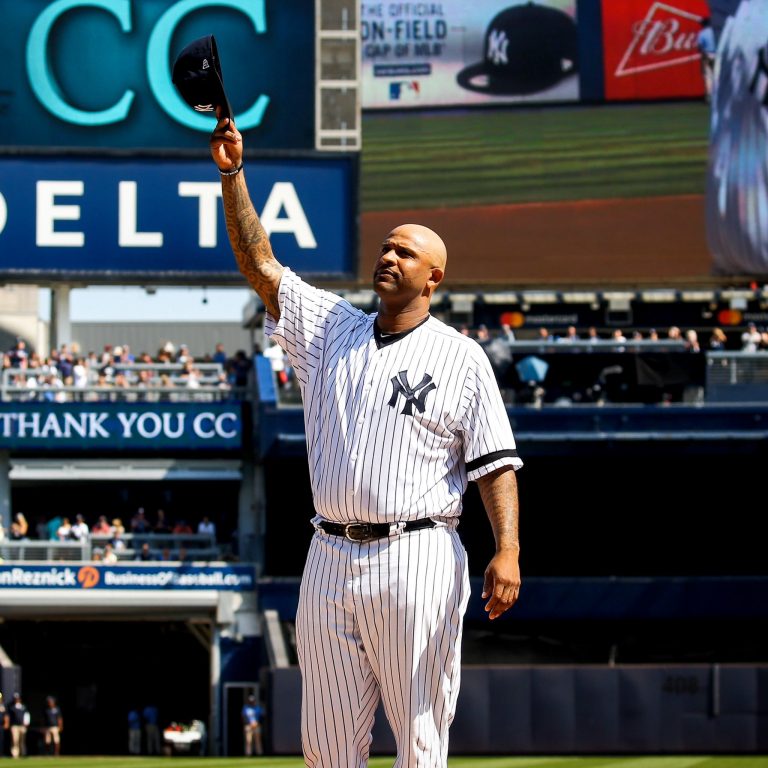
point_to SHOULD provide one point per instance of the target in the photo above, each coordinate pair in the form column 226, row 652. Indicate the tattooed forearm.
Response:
column 499, row 493
column 250, row 243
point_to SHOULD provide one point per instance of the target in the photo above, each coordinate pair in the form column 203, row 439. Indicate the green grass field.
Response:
column 486, row 157
column 380, row 762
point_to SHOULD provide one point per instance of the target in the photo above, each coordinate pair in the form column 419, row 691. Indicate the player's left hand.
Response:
column 502, row 582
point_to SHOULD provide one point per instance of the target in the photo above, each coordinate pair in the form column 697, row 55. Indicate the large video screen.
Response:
column 458, row 53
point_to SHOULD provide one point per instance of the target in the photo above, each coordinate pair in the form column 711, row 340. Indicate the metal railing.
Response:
column 737, row 376
column 170, row 546
column 167, row 384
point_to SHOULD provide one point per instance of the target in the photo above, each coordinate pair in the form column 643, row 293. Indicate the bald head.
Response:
column 426, row 240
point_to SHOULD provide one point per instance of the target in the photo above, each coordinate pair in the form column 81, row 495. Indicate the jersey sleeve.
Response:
column 308, row 316
column 488, row 440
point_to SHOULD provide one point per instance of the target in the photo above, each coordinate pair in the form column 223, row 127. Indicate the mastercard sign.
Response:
column 729, row 317
column 651, row 48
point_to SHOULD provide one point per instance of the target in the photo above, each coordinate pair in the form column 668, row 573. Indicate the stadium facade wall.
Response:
column 567, row 710
column 201, row 338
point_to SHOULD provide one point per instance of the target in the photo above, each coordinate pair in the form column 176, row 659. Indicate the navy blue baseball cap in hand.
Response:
column 197, row 76
column 528, row 48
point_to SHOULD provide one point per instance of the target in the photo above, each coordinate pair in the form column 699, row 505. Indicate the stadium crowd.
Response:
column 66, row 374
column 143, row 539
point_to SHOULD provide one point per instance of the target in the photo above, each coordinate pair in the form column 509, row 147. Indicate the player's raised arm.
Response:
column 249, row 241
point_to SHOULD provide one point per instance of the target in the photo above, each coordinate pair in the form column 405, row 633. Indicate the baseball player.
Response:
column 400, row 412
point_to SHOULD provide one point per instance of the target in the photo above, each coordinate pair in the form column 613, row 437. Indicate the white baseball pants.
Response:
column 381, row 620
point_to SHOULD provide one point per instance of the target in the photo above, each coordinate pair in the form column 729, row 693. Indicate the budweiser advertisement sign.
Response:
column 651, row 49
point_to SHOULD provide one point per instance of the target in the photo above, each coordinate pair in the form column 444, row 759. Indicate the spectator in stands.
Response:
column 592, row 334
column 545, row 335
column 145, row 553
column 118, row 542
column 750, row 339
column 101, row 527
column 79, row 530
column 139, row 522
column 184, row 355
column 144, row 383
column 109, row 555
column 18, row 354
column 692, row 341
column 717, row 339
column 570, row 334
column 222, row 383
column 207, row 527
column 241, row 368
column 219, row 355
column 80, row 374
column 41, row 528
column 53, row 527
column 66, row 363
column 19, row 527
column 166, row 384
column 618, row 337
column 181, row 527
column 637, row 335
column 653, row 335
column 161, row 523
column 118, row 531
column 674, row 333
column 507, row 333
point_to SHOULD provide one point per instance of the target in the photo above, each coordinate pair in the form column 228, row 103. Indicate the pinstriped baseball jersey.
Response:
column 394, row 430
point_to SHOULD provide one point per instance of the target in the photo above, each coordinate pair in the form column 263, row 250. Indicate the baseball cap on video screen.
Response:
column 527, row 48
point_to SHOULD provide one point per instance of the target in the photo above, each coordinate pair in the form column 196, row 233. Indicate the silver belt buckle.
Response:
column 359, row 532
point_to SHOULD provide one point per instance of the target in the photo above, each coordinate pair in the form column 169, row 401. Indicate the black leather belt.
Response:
column 362, row 532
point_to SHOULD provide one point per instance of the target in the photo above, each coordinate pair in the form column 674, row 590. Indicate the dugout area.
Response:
column 99, row 669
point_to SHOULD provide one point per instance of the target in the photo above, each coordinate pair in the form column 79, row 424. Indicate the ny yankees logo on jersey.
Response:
column 400, row 385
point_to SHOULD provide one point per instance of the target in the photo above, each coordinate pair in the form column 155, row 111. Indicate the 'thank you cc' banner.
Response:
column 96, row 73
column 121, row 426
column 737, row 180
column 110, row 219
column 421, row 54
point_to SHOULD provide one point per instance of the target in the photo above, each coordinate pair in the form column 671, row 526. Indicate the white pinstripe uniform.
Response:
column 394, row 432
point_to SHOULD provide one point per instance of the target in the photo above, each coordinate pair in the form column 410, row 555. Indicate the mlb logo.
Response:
column 404, row 90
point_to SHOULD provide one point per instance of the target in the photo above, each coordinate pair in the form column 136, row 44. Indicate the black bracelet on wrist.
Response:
column 233, row 172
